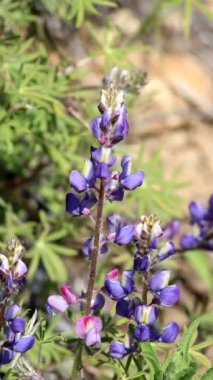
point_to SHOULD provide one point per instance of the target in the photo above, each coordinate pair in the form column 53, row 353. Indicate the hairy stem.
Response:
column 96, row 247
column 144, row 288
column 77, row 361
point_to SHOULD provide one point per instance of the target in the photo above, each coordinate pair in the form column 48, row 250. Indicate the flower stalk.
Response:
column 96, row 247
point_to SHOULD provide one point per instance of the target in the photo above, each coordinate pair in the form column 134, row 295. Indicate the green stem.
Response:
column 77, row 361
column 96, row 247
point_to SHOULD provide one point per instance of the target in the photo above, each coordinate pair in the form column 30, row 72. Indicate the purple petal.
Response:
column 102, row 171
column 115, row 194
column 142, row 333
column 106, row 118
column 171, row 229
column 114, row 289
column 17, row 325
column 197, row 212
column 87, row 246
column 6, row 356
column 128, row 280
column 57, row 303
column 20, row 269
column 126, row 164
column 146, row 314
column 133, row 180
column 113, row 221
column 141, row 263
column 92, row 338
column 88, row 201
column 24, row 344
column 95, row 127
column 169, row 295
column 167, row 250
column 159, row 280
column 72, row 204
column 121, row 130
column 169, row 333
column 188, row 241
column 12, row 312
column 97, row 302
column 124, row 308
column 125, row 235
column 117, row 350
column 77, row 181
column 89, row 173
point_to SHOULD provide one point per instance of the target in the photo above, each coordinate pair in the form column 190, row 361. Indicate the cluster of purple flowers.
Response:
column 141, row 306
column 97, row 183
column 202, row 222
column 12, row 326
column 12, row 339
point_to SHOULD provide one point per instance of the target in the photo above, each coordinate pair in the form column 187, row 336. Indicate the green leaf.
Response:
column 208, row 375
column 200, row 358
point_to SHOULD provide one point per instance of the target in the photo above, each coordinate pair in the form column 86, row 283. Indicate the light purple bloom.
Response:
column 159, row 280
column 60, row 303
column 88, row 328
column 114, row 288
column 146, row 314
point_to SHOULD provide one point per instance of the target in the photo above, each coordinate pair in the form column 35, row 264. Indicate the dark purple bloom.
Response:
column 114, row 288
column 141, row 263
column 17, row 325
column 24, row 344
column 97, row 302
column 117, row 350
column 88, row 246
column 129, row 180
column 142, row 332
column 120, row 232
column 169, row 333
column 6, row 355
column 81, row 182
column 80, row 206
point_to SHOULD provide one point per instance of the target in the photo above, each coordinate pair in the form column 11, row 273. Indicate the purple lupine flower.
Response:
column 202, row 218
column 98, row 302
column 146, row 314
column 166, row 251
column 88, row 328
column 102, row 159
column 188, row 241
column 77, row 206
column 142, row 333
column 119, row 182
column 118, row 350
column 119, row 231
column 88, row 246
column 141, row 263
column 126, row 307
column 169, row 333
column 114, row 288
column 167, row 295
column 171, row 229
column 81, row 182
column 60, row 303
column 14, row 326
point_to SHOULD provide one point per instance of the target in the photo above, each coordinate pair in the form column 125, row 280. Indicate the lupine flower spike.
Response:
column 96, row 184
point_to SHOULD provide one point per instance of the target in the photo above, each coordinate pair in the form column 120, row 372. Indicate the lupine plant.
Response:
column 13, row 332
column 143, row 290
